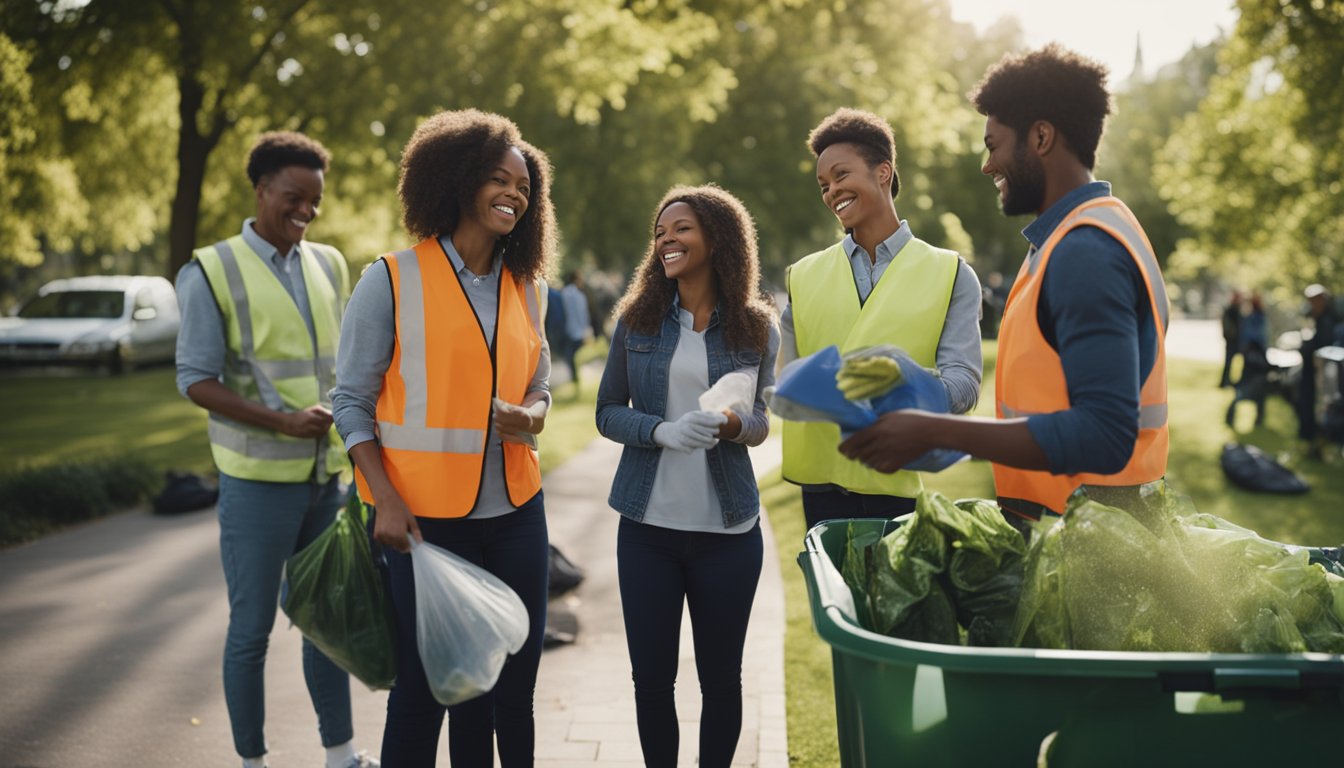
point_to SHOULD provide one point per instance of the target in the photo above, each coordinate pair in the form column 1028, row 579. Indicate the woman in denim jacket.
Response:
column 685, row 488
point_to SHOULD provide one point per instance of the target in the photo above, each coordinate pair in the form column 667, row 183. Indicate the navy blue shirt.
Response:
column 1095, row 312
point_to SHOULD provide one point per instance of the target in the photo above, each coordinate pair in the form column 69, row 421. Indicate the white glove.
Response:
column 694, row 430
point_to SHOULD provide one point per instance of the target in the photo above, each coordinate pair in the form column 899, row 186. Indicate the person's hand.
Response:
column 394, row 524
column 894, row 440
column 694, row 430
column 313, row 421
column 516, row 423
column 731, row 428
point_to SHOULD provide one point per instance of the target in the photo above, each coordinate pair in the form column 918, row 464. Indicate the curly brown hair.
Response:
column 1054, row 84
column 275, row 150
column 865, row 130
column 745, row 311
column 447, row 160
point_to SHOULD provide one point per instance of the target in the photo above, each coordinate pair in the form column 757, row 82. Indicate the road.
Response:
column 111, row 640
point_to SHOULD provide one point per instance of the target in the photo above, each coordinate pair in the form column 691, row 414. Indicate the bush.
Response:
column 36, row 500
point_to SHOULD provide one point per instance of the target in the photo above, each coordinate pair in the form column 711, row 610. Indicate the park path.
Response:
column 111, row 636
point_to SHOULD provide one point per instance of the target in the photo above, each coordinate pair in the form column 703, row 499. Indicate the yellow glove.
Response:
column 860, row 378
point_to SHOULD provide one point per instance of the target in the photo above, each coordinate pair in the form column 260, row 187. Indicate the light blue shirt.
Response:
column 867, row 270
column 576, row 312
column 201, row 341
column 368, row 336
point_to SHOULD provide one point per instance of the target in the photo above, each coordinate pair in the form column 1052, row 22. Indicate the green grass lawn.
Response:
column 1197, row 436
column 63, row 418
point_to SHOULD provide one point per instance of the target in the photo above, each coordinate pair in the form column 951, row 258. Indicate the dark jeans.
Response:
column 836, row 504
column 1305, row 405
column 570, row 352
column 715, row 575
column 514, row 547
column 1228, row 355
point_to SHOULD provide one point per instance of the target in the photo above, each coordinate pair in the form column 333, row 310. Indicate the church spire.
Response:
column 1136, row 75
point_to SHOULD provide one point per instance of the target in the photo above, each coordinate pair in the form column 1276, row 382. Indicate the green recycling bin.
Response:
column 906, row 703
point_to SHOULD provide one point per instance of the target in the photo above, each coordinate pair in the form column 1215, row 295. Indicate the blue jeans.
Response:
column 516, row 548
column 260, row 525
column 715, row 574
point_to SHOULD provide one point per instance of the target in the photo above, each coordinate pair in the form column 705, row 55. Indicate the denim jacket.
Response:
column 632, row 399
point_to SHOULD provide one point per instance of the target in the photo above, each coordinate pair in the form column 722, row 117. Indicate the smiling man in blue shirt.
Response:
column 1081, row 375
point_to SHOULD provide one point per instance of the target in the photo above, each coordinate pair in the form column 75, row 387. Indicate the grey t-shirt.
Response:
column 368, row 335
column 683, row 496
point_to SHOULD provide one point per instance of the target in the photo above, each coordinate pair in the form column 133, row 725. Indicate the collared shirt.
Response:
column 1094, row 310
column 201, row 341
column 868, row 270
column 368, row 335
column 958, row 360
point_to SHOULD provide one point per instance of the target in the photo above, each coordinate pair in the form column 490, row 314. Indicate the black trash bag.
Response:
column 1251, row 468
column 184, row 492
column 565, row 575
column 562, row 626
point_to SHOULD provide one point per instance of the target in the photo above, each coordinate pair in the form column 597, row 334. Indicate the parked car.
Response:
column 116, row 321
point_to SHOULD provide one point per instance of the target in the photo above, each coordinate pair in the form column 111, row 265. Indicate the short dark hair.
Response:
column 447, row 160
column 275, row 150
column 865, row 130
column 1055, row 84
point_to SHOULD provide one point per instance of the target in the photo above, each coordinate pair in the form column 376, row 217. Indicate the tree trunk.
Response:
column 193, row 150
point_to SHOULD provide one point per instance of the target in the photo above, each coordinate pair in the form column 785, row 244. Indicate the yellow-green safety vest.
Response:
column 907, row 308
column 274, row 361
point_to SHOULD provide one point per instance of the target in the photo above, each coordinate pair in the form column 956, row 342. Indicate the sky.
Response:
column 1107, row 30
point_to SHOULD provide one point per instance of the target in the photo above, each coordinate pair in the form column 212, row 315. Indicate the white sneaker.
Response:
column 363, row 759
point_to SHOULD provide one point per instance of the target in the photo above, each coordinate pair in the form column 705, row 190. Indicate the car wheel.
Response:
column 115, row 365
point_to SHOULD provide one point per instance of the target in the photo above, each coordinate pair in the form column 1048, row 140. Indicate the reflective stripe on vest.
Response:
column 434, row 408
column 273, row 360
column 1029, row 378
column 907, row 308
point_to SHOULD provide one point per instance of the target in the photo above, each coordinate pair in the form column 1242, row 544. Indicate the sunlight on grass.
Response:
column 59, row 418
column 1197, row 437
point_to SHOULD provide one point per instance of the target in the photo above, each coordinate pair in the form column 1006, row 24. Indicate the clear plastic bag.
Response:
column 467, row 622
column 735, row 391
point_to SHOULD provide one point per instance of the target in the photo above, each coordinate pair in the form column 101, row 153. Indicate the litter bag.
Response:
column 467, row 622
column 1153, row 579
column 735, row 391
column 335, row 597
column 808, row 390
column 947, row 565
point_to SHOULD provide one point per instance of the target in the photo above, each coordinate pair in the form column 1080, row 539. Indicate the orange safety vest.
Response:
column 1029, row 378
column 434, row 409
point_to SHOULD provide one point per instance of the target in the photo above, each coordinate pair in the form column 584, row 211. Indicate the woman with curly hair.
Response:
column 685, row 487
column 442, row 385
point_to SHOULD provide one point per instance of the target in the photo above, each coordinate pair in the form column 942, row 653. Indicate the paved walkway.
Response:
column 111, row 635
column 585, row 700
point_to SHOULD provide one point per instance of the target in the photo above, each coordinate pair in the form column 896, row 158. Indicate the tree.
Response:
column 1147, row 114
column 18, row 236
column 1255, row 171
